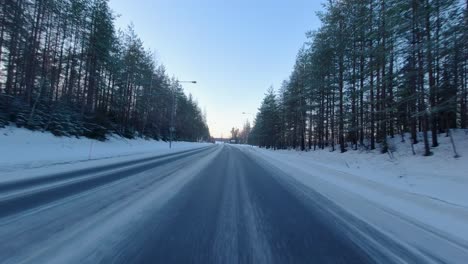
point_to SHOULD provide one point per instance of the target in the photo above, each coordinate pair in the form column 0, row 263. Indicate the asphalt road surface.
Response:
column 211, row 205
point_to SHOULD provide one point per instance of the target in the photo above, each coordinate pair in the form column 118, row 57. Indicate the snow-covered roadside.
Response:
column 440, row 177
column 428, row 193
column 22, row 149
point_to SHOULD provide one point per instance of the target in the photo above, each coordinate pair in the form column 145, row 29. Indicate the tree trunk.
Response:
column 432, row 87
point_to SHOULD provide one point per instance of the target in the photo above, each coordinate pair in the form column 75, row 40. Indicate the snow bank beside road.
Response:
column 441, row 176
column 25, row 149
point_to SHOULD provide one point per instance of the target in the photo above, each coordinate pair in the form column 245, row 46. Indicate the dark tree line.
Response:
column 66, row 69
column 375, row 69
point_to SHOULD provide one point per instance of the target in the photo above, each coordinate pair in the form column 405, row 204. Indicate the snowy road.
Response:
column 210, row 205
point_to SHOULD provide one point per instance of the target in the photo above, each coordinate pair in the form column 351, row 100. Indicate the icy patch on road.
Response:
column 100, row 234
column 237, row 208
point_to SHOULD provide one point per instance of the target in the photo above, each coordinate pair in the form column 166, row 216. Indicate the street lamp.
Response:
column 172, row 128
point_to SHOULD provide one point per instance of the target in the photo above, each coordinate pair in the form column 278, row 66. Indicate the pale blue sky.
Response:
column 234, row 49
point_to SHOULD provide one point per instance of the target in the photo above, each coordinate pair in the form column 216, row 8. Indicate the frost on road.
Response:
column 218, row 204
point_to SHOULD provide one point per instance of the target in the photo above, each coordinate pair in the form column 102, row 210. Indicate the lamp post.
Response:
column 173, row 113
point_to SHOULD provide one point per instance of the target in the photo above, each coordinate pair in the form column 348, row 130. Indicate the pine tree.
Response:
column 66, row 69
column 373, row 69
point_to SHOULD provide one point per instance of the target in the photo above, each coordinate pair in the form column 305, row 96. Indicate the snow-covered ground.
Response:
column 22, row 149
column 440, row 176
column 384, row 190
